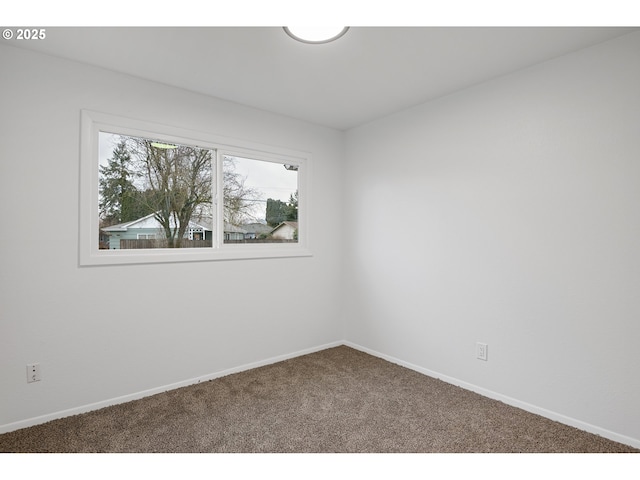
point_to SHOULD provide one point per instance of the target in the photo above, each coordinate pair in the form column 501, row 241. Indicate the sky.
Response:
column 270, row 178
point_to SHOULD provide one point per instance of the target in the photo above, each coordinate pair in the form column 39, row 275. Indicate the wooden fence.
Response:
column 162, row 243
column 262, row 240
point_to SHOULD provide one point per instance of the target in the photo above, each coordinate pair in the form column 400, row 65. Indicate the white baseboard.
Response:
column 572, row 422
column 454, row 381
column 9, row 427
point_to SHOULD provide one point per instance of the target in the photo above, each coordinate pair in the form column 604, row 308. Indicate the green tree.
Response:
column 292, row 207
column 277, row 212
column 119, row 198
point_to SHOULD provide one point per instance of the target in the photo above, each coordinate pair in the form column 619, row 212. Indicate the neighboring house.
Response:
column 233, row 232
column 286, row 231
column 256, row 230
column 149, row 228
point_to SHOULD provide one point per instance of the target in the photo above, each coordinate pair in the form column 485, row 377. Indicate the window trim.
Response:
column 93, row 122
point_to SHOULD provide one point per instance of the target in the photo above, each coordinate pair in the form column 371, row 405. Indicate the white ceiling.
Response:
column 368, row 73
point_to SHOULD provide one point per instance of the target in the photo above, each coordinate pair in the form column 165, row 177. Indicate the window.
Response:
column 152, row 193
column 260, row 201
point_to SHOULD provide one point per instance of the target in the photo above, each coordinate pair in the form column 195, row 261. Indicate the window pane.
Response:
column 153, row 194
column 260, row 201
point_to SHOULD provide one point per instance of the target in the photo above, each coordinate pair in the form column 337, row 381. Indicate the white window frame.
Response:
column 92, row 123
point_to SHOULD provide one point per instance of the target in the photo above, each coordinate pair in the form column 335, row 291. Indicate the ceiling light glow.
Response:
column 316, row 34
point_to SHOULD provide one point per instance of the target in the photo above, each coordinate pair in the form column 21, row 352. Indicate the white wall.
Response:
column 101, row 333
column 508, row 214
column 505, row 214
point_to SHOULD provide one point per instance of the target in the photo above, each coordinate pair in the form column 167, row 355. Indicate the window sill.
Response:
column 168, row 255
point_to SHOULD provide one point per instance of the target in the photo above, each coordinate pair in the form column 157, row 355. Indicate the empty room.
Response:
column 396, row 239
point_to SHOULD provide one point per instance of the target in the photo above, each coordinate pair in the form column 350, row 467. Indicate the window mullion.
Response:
column 218, row 195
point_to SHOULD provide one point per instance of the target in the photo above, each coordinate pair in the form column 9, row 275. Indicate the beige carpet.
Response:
column 336, row 400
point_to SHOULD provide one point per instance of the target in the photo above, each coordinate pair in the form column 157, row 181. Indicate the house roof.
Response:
column 123, row 227
column 293, row 225
column 230, row 228
column 143, row 222
column 149, row 221
column 257, row 228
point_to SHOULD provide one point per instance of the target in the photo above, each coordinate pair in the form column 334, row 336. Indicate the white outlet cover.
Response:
column 482, row 351
column 33, row 372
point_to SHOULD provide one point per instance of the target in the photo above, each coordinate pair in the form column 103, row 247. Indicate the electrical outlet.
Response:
column 482, row 351
column 33, row 373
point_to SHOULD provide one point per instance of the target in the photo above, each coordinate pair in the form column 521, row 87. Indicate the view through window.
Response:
column 260, row 201
column 154, row 194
